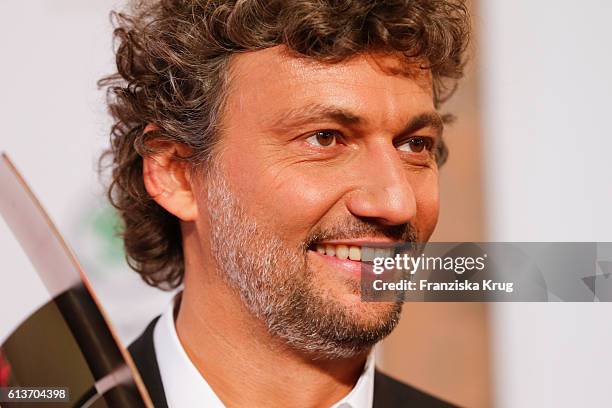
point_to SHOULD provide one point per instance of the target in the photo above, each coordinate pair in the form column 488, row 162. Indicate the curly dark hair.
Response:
column 172, row 63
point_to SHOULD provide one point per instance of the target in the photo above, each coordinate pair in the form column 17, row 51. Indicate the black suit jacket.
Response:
column 388, row 393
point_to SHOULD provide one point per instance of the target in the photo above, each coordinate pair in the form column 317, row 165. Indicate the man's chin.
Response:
column 360, row 316
column 371, row 316
column 343, row 294
column 355, row 326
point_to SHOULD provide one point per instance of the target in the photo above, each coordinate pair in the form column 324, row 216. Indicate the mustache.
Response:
column 351, row 228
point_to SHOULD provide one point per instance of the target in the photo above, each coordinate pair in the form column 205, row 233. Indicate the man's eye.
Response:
column 416, row 145
column 323, row 138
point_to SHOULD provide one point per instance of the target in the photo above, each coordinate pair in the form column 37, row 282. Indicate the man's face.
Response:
column 316, row 161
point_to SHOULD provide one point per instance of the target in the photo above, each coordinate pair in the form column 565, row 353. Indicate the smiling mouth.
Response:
column 355, row 253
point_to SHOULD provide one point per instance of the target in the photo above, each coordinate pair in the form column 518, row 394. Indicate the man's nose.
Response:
column 383, row 192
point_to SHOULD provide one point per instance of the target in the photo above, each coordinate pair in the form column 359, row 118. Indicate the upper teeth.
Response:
column 353, row 252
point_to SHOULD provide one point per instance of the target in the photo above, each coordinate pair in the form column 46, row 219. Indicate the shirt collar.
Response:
column 184, row 386
column 362, row 394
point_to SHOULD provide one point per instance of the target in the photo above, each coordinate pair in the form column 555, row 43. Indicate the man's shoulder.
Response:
column 389, row 392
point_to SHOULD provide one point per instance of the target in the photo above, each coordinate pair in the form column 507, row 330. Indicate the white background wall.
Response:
column 546, row 85
column 546, row 70
column 54, row 126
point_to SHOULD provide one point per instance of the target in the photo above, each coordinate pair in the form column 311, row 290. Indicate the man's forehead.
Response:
column 279, row 63
column 272, row 83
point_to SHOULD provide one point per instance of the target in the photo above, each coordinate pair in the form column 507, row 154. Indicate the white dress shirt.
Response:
column 185, row 387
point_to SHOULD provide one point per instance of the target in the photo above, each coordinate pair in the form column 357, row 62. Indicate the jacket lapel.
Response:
column 143, row 353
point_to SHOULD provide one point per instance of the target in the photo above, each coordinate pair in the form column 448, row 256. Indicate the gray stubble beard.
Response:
column 276, row 284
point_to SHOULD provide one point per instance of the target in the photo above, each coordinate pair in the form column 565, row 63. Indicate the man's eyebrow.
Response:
column 314, row 112
column 317, row 112
column 424, row 120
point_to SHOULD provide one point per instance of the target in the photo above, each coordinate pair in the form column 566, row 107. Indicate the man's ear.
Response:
column 168, row 180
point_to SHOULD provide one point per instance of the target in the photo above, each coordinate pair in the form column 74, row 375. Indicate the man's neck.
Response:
column 244, row 364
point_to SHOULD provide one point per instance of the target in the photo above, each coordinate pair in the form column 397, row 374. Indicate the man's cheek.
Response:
column 308, row 198
column 428, row 207
column 294, row 201
column 427, row 220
